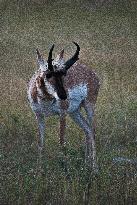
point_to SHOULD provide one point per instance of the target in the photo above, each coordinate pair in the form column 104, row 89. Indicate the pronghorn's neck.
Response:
column 39, row 90
column 51, row 90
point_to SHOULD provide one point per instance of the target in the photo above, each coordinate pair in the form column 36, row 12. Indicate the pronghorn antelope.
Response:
column 63, row 87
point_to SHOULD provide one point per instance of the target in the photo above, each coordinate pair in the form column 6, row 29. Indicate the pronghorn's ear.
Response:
column 39, row 56
column 60, row 56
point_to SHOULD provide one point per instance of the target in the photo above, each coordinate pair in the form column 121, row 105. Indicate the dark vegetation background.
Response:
column 107, row 33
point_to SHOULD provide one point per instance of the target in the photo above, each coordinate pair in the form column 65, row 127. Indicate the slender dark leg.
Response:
column 90, row 141
column 89, row 108
column 41, row 129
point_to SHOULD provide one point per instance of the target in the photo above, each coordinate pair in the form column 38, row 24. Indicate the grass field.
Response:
column 107, row 36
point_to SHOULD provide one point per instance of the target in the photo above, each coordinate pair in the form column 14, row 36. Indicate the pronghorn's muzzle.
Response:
column 60, row 89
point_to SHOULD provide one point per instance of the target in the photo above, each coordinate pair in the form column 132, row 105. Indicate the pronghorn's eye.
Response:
column 48, row 75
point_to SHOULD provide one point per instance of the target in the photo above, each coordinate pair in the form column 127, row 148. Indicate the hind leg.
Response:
column 90, row 141
column 89, row 108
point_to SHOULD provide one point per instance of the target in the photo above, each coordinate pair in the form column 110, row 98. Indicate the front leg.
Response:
column 62, row 128
column 63, row 108
column 41, row 130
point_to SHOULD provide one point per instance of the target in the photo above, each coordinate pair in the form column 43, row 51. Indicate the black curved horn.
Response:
column 74, row 58
column 50, row 66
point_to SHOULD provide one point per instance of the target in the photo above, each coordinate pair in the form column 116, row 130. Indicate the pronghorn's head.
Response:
column 57, row 69
column 59, row 63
